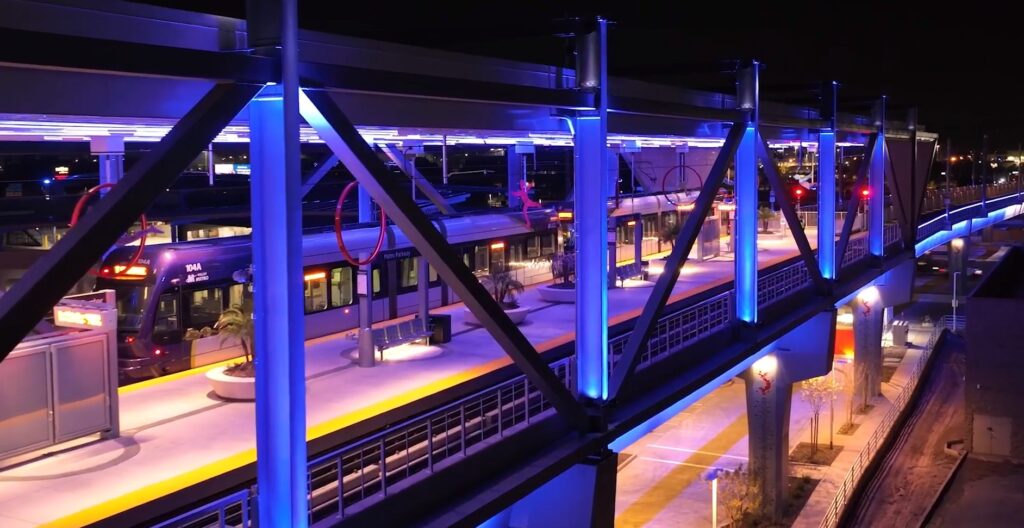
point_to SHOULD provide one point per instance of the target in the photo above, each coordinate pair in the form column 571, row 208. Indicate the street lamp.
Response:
column 712, row 477
column 955, row 301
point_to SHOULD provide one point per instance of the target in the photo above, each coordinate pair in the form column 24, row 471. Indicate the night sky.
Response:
column 958, row 68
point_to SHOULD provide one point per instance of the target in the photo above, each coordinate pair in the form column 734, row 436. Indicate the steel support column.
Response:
column 276, row 187
column 277, row 311
column 675, row 261
column 789, row 212
column 110, row 151
column 590, row 202
column 56, row 272
column 827, row 185
column 876, row 182
column 320, row 111
column 745, row 232
column 516, row 172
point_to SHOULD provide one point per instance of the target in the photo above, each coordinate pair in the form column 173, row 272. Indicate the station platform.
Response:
column 175, row 432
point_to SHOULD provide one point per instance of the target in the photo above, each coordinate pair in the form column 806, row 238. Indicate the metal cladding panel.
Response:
column 24, row 401
column 80, row 387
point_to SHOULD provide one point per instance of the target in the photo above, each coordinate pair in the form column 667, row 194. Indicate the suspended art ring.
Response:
column 337, row 230
column 143, row 225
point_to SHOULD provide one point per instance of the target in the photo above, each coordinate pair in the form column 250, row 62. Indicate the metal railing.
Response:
column 676, row 330
column 371, row 467
column 782, row 283
column 870, row 450
column 232, row 510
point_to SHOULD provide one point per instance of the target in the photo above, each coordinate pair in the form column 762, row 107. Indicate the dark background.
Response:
column 958, row 66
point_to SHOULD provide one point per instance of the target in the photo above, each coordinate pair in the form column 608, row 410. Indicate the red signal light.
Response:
column 865, row 192
column 799, row 191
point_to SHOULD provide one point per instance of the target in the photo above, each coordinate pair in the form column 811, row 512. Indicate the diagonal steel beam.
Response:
column 903, row 202
column 418, row 180
column 318, row 174
column 673, row 266
column 786, row 204
column 57, row 271
column 854, row 204
column 320, row 111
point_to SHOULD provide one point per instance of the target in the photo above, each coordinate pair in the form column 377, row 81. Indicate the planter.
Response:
column 231, row 387
column 557, row 295
column 517, row 315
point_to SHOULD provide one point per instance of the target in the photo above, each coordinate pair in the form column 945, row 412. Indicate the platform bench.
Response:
column 400, row 334
column 630, row 271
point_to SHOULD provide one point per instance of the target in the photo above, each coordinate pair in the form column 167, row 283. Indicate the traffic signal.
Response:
column 865, row 193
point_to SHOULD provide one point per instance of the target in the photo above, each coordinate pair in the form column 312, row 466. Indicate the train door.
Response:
column 201, row 309
column 391, row 268
column 378, row 280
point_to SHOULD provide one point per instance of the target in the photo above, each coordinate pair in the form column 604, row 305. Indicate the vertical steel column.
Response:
column 364, row 290
column 745, row 232
column 423, row 287
column 591, row 218
column 516, row 168
column 110, row 151
column 209, row 164
column 638, row 239
column 827, row 184
column 277, row 276
column 876, row 184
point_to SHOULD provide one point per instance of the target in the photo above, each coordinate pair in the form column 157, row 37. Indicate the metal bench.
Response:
column 400, row 334
column 629, row 271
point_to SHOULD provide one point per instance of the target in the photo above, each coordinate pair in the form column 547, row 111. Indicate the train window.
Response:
column 240, row 296
column 650, row 226
column 433, row 274
column 166, row 313
column 376, row 281
column 516, row 250
column 205, row 307
column 547, row 244
column 497, row 258
column 315, row 287
column 341, row 287
column 482, row 259
column 533, row 246
column 407, row 272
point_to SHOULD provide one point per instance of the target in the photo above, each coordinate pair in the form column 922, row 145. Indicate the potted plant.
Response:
column 563, row 271
column 237, row 381
column 504, row 289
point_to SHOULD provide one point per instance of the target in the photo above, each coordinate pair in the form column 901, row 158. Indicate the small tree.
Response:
column 815, row 393
column 563, row 267
column 739, row 494
column 765, row 215
column 503, row 288
column 234, row 323
column 669, row 233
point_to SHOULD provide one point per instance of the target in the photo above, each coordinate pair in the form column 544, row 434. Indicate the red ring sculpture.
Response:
column 337, row 230
column 142, row 224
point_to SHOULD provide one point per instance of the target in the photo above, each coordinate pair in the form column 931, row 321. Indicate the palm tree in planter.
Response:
column 765, row 215
column 238, row 381
column 563, row 271
column 504, row 289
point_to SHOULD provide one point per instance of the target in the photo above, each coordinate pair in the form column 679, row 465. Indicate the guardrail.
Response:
column 232, row 510
column 867, row 454
column 370, row 467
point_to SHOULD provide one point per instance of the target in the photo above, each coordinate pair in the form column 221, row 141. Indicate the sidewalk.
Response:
column 662, row 484
column 832, row 476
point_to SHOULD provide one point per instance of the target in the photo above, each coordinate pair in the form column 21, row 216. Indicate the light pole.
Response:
column 712, row 477
column 955, row 301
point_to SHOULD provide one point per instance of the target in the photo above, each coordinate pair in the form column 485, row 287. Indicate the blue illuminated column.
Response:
column 876, row 182
column 277, row 280
column 827, row 203
column 591, row 218
column 745, row 232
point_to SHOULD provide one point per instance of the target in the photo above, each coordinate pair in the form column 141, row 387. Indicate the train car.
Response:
column 170, row 299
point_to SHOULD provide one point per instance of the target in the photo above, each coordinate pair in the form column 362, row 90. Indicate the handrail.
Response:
column 867, row 454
